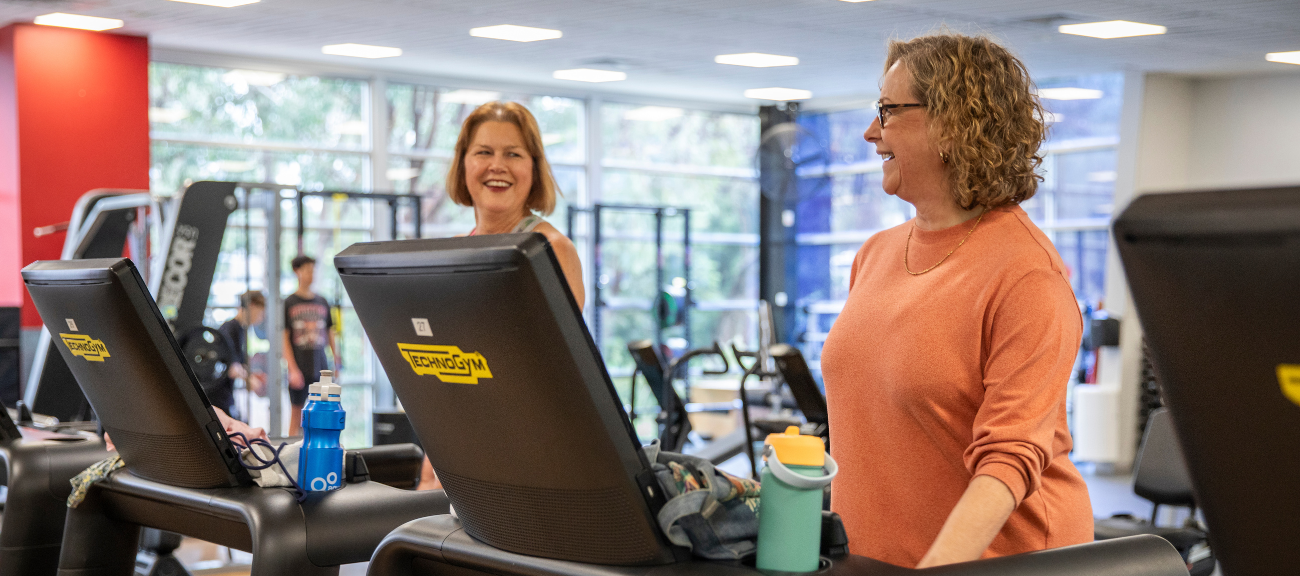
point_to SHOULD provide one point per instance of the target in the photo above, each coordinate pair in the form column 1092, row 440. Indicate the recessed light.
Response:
column 756, row 60
column 361, row 50
column 515, row 33
column 1070, row 93
column 1112, row 29
column 652, row 113
column 220, row 3
column 80, row 22
column 589, row 75
column 781, row 94
column 1284, row 57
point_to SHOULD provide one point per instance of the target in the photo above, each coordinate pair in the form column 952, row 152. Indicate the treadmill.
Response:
column 37, row 466
column 1214, row 277
column 523, row 425
column 182, row 471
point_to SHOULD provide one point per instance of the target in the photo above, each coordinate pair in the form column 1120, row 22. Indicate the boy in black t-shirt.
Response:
column 252, row 309
column 307, row 327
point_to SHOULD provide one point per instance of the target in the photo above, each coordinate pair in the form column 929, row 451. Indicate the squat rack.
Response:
column 597, row 237
column 417, row 202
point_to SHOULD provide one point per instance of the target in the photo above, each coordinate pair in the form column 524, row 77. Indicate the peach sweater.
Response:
column 934, row 379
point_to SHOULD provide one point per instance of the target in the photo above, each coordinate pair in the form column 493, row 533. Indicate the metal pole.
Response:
column 392, row 219
column 274, row 316
column 687, row 302
column 418, row 201
column 597, row 302
column 302, row 227
column 659, row 276
column 595, row 150
column 248, row 286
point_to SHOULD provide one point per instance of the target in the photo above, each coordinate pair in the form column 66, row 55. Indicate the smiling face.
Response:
column 913, row 169
column 498, row 168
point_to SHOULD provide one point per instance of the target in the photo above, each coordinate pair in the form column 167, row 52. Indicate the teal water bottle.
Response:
column 790, row 509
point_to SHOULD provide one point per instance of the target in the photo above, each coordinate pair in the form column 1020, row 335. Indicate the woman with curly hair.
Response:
column 946, row 372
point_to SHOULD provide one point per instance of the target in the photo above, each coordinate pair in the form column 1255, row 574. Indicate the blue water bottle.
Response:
column 320, row 462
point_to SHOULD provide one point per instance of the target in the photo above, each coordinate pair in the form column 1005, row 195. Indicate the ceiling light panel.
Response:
column 1284, row 57
column 779, row 94
column 1112, row 29
column 756, row 60
column 589, row 75
column 515, row 33
column 361, row 50
column 80, row 22
column 1070, row 93
column 220, row 3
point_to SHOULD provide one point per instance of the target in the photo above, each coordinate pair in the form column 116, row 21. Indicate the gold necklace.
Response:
column 908, row 246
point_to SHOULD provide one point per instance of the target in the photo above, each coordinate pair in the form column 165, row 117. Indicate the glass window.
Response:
column 840, row 207
column 663, row 136
column 175, row 164
column 683, row 159
column 305, row 132
column 224, row 105
column 425, row 122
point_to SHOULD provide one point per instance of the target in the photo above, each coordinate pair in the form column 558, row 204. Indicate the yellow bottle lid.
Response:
column 794, row 449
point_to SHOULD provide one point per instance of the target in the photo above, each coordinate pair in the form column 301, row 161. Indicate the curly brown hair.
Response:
column 987, row 115
column 542, row 196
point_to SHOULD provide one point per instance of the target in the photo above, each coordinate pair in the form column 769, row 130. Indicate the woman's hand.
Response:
column 973, row 523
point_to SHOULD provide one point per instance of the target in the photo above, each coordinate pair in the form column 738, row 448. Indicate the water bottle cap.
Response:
column 331, row 392
column 794, row 449
column 314, row 390
column 326, row 376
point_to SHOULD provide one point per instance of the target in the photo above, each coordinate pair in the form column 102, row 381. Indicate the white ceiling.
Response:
column 667, row 46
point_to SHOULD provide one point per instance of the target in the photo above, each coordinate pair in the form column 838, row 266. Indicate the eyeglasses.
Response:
column 884, row 111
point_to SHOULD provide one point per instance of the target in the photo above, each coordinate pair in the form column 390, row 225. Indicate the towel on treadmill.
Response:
column 82, row 482
column 272, row 476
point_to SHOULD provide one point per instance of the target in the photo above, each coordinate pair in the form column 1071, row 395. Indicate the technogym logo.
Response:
column 448, row 363
column 85, row 347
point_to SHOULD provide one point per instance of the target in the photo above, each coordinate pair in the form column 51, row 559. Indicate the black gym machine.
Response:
column 190, row 227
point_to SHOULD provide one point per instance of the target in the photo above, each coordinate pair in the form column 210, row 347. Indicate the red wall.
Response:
column 74, row 116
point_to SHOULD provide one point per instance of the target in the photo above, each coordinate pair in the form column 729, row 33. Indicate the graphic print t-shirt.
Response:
column 308, row 321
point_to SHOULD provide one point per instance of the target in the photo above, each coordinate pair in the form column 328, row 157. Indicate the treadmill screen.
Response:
column 489, row 354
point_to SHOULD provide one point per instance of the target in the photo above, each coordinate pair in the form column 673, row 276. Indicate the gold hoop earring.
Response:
column 943, row 156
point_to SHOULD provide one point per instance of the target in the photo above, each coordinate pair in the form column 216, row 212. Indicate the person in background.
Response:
column 307, row 329
column 946, row 372
column 499, row 169
column 252, row 310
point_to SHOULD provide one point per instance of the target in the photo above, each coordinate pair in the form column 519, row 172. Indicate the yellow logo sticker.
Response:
column 85, row 347
column 1288, row 376
column 448, row 363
